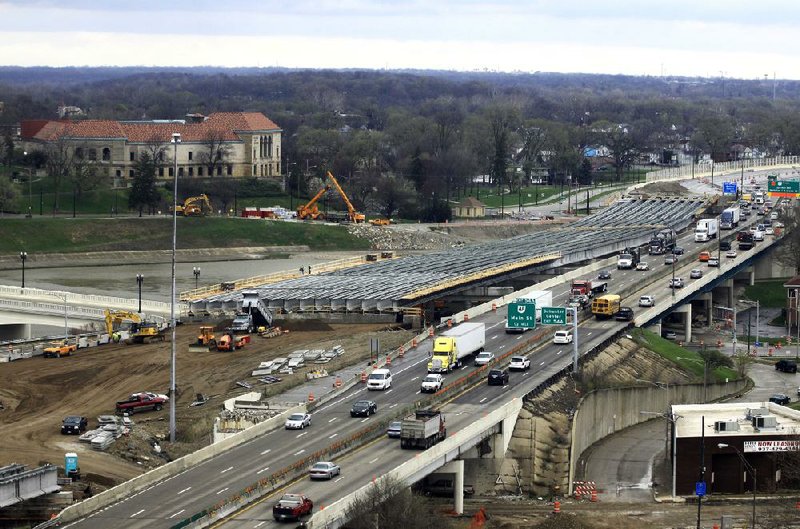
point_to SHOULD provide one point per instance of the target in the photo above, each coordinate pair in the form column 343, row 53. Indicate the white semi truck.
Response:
column 706, row 230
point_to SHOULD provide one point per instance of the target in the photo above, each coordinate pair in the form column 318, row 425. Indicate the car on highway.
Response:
column 758, row 235
column 298, row 421
column 670, row 259
column 363, row 408
column 773, row 215
column 642, row 266
column 696, row 273
column 676, row 282
column 713, row 262
column 580, row 301
column 730, row 254
column 432, row 383
column 624, row 314
column 647, row 301
column 704, row 256
column 604, row 274
column 394, row 428
column 484, row 358
column 519, row 363
column 74, row 424
column 668, row 334
column 498, row 377
column 379, row 379
column 780, row 398
column 562, row 337
column 324, row 470
column 769, row 231
column 761, row 211
column 678, row 250
column 724, row 246
column 292, row 507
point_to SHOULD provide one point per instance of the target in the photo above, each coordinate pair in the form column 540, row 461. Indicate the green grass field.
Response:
column 768, row 293
column 687, row 359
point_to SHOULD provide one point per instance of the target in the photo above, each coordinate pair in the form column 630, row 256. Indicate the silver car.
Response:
column 484, row 358
column 324, row 470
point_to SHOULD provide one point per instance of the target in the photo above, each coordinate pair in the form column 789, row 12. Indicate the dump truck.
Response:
column 540, row 298
column 453, row 345
column 588, row 287
column 423, row 429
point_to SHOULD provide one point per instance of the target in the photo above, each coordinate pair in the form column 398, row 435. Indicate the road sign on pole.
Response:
column 554, row 316
column 729, row 188
column 522, row 315
column 783, row 188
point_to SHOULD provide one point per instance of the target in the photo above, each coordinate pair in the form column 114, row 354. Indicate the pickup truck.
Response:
column 142, row 402
column 292, row 507
column 59, row 349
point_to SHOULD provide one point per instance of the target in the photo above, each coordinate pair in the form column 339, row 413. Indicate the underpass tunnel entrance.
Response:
column 15, row 331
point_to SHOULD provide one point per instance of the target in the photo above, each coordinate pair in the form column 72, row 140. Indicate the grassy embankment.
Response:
column 53, row 235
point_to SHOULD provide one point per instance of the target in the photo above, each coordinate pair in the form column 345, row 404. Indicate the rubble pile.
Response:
column 398, row 238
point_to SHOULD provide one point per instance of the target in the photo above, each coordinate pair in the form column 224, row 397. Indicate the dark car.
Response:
column 363, row 408
column 724, row 245
column 74, row 425
column 394, row 428
column 787, row 366
column 624, row 314
column 669, row 335
column 678, row 250
column 780, row 398
column 498, row 377
column 605, row 274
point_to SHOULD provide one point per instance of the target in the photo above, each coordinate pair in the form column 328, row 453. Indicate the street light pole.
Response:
column 140, row 280
column 176, row 139
column 196, row 272
column 752, row 471
column 23, row 256
column 30, row 187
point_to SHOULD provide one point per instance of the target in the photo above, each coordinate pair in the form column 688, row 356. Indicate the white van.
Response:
column 562, row 337
column 380, row 379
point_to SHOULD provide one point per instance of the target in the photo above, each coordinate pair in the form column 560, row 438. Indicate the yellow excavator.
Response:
column 140, row 331
column 310, row 210
column 352, row 214
column 198, row 206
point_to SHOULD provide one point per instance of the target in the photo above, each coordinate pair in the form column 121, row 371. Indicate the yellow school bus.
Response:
column 605, row 306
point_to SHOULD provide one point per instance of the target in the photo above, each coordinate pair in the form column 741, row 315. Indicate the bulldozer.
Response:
column 198, row 206
column 205, row 340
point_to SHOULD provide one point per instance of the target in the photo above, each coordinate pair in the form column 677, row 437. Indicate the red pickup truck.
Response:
column 292, row 507
column 142, row 402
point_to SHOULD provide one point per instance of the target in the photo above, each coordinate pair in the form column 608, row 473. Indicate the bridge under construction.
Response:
column 392, row 285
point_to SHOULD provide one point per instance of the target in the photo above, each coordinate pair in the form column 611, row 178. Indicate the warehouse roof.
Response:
column 690, row 419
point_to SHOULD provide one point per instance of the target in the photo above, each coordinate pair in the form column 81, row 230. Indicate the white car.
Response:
column 484, row 358
column 642, row 266
column 773, row 215
column 432, row 383
column 298, row 421
column 379, row 379
column 562, row 337
column 519, row 363
column 647, row 301
column 769, row 231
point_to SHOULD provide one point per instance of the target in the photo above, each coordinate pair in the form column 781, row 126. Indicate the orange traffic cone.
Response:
column 364, row 376
column 494, row 307
column 402, row 352
column 466, row 317
column 413, row 342
column 388, row 360
column 310, row 397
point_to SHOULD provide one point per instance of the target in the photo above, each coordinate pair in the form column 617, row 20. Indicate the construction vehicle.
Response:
column 205, row 340
column 310, row 210
column 352, row 214
column 59, row 349
column 230, row 341
column 198, row 206
column 380, row 222
column 137, row 330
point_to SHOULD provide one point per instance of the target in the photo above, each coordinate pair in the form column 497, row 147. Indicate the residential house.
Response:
column 470, row 207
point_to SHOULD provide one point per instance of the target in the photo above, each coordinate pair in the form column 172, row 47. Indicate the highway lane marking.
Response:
column 137, row 513
column 374, row 460
column 299, row 452
column 418, row 392
column 333, row 419
column 463, row 368
column 332, row 436
column 389, row 391
column 184, row 490
column 519, row 337
column 413, row 379
column 227, row 469
column 541, row 364
column 223, row 490
column 393, row 405
column 494, row 337
column 589, row 333
column 495, row 325
column 502, row 346
column 177, row 513
column 525, row 374
column 301, row 435
column 482, row 400
column 265, row 452
column 259, row 524
column 338, row 480
column 365, row 419
column 262, row 470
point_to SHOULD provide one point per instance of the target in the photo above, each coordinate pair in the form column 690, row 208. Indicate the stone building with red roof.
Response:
column 223, row 144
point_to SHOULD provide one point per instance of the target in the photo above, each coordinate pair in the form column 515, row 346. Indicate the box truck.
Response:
column 729, row 219
column 706, row 230
column 450, row 348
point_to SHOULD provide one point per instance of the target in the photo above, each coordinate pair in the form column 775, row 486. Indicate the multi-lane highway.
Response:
column 207, row 484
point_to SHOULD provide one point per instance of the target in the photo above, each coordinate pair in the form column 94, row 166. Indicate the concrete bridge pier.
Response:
column 686, row 310
column 751, row 276
column 501, row 439
column 15, row 331
column 456, row 467
column 728, row 284
column 707, row 298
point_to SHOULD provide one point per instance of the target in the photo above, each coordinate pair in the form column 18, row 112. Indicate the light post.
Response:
column 757, row 303
column 196, row 272
column 63, row 296
column 140, row 280
column 672, row 285
column 176, row 139
column 23, row 256
column 30, row 187
column 752, row 471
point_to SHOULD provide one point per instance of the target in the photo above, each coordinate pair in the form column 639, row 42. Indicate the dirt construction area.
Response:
column 37, row 393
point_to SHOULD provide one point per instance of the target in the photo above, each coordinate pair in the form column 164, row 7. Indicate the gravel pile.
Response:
column 397, row 238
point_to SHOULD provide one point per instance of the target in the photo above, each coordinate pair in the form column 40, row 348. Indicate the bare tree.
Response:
column 389, row 504
column 59, row 163
column 216, row 151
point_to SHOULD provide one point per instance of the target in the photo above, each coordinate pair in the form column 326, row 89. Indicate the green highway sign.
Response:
column 783, row 188
column 554, row 316
column 522, row 315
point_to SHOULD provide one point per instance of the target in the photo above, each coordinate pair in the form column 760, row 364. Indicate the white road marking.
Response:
column 418, row 392
column 541, row 364
column 299, row 452
column 494, row 337
column 262, row 470
column 223, row 490
column 177, row 513
column 389, row 391
column 589, row 333
column 393, row 405
column 332, row 436
column 184, row 490
column 333, row 419
column 338, row 480
column 482, row 400
column 227, row 469
column 463, row 368
column 265, row 452
column 374, row 460
column 259, row 524
column 137, row 513
column 500, row 347
column 365, row 419
column 413, row 379
column 519, row 337
column 301, row 435
column 525, row 374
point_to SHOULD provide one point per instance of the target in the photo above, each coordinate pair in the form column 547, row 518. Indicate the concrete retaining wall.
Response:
column 604, row 412
column 172, row 468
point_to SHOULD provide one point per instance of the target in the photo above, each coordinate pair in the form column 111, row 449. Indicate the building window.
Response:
column 180, row 171
column 190, row 155
column 191, row 171
column 255, row 171
column 106, row 154
column 130, row 173
column 171, row 171
column 119, row 173
column 200, row 171
column 93, row 154
column 160, row 171
column 132, row 156
column 79, row 153
column 219, row 171
column 230, row 170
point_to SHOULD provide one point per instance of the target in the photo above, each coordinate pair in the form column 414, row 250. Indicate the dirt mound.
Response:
column 662, row 188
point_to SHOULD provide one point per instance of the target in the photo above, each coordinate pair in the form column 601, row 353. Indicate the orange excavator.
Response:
column 352, row 214
column 310, row 210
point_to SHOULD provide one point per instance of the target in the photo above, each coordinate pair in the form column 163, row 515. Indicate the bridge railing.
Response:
column 723, row 168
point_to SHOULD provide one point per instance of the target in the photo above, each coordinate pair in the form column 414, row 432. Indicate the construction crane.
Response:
column 310, row 210
column 352, row 214
column 195, row 206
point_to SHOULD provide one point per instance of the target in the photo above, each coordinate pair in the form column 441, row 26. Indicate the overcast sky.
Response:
column 681, row 37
